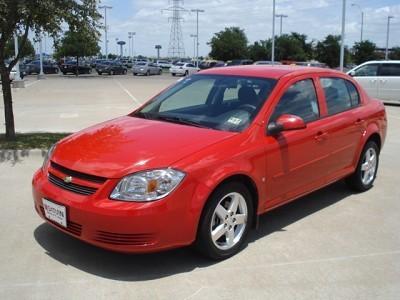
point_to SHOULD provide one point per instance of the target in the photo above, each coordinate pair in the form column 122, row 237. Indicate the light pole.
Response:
column 116, row 48
column 197, row 11
column 273, row 33
column 194, row 44
column 17, row 76
column 342, row 36
column 362, row 19
column 105, row 7
column 281, row 16
column 131, row 34
column 387, row 37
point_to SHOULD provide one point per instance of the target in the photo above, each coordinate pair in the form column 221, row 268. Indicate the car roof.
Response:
column 382, row 62
column 267, row 71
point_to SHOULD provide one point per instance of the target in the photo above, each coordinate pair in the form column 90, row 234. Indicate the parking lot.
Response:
column 332, row 244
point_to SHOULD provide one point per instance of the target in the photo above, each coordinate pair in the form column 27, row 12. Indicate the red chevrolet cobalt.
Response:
column 199, row 162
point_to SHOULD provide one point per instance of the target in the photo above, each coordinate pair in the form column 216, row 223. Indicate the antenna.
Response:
column 176, row 47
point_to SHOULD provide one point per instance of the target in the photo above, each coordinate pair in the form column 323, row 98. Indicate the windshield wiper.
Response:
column 179, row 120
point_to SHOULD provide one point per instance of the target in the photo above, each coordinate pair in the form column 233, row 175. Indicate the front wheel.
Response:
column 365, row 174
column 225, row 221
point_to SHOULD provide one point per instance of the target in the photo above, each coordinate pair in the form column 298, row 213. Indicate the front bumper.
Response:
column 177, row 71
column 131, row 227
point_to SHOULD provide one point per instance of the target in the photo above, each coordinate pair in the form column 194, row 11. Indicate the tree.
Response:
column 9, row 49
column 22, row 17
column 364, row 51
column 260, row 50
column 78, row 43
column 307, row 47
column 289, row 47
column 328, row 51
column 231, row 43
column 395, row 53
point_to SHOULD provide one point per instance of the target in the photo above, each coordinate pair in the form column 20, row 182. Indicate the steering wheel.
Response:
column 247, row 107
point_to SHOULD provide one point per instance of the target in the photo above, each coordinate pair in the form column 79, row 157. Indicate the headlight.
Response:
column 147, row 185
column 48, row 155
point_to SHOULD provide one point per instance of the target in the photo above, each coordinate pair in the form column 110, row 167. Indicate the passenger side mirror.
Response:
column 285, row 123
column 352, row 73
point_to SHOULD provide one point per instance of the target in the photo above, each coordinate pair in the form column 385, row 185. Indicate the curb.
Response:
column 14, row 156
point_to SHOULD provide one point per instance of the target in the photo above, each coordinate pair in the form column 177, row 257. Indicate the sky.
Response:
column 315, row 18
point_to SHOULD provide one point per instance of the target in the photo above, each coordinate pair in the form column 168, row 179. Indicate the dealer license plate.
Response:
column 55, row 212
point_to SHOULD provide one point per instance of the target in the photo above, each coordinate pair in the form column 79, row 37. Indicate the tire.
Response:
column 217, row 214
column 99, row 73
column 124, row 72
column 148, row 73
column 173, row 74
column 134, row 74
column 64, row 73
column 365, row 174
column 186, row 73
column 159, row 72
column 111, row 72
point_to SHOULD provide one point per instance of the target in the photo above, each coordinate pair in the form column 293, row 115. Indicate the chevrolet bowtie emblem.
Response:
column 68, row 179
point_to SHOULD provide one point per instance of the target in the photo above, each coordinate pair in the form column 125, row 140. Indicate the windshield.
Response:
column 228, row 103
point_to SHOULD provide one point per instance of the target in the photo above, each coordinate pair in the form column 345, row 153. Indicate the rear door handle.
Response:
column 320, row 136
column 359, row 122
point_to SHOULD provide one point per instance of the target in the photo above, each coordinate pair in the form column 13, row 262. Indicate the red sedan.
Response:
column 199, row 162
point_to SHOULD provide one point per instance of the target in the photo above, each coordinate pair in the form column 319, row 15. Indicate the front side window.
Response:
column 337, row 95
column 201, row 100
column 300, row 99
column 367, row 70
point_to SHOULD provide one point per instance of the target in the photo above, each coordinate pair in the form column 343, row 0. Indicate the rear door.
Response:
column 389, row 82
column 344, row 124
column 367, row 77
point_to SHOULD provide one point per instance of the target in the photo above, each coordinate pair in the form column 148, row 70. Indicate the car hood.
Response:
column 129, row 144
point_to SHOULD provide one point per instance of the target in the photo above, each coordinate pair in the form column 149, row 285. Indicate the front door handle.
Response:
column 320, row 136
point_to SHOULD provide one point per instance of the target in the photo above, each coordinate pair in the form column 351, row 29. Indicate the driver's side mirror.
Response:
column 285, row 123
column 352, row 73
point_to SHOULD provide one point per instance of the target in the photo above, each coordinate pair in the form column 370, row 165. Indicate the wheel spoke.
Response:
column 230, row 235
column 221, row 212
column 218, row 232
column 368, row 155
column 234, row 204
column 364, row 166
column 240, row 219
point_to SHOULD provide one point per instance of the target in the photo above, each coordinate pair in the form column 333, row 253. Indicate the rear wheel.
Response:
column 148, row 73
column 111, row 72
column 186, row 73
column 364, row 176
column 225, row 221
column 99, row 73
column 173, row 74
column 134, row 74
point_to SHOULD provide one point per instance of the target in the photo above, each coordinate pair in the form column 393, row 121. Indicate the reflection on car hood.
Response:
column 129, row 144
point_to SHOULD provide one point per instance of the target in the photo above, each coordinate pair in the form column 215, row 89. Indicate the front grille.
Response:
column 134, row 239
column 72, row 227
column 84, row 176
column 73, row 187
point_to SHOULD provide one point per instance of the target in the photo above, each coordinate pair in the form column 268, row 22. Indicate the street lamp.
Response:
column 362, row 19
column 197, row 11
column 130, row 36
column 105, row 7
column 387, row 37
column 342, row 36
column 281, row 16
column 121, row 50
column 273, row 33
column 194, row 36
column 41, row 74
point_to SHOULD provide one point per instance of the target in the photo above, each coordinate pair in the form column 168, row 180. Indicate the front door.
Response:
column 296, row 160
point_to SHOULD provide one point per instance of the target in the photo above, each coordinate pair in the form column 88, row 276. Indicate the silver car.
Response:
column 146, row 68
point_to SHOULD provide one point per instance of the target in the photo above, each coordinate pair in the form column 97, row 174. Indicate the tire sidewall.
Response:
column 361, row 185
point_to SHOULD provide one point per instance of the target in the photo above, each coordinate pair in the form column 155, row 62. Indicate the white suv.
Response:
column 380, row 79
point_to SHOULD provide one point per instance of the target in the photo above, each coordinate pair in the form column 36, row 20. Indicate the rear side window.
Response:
column 336, row 94
column 389, row 70
column 354, row 96
column 367, row 70
column 300, row 99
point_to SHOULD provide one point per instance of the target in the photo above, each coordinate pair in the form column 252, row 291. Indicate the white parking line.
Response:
column 127, row 92
column 31, row 83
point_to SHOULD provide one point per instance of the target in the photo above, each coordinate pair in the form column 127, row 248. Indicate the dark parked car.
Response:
column 207, row 64
column 239, row 62
column 34, row 67
column 70, row 67
column 111, row 68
